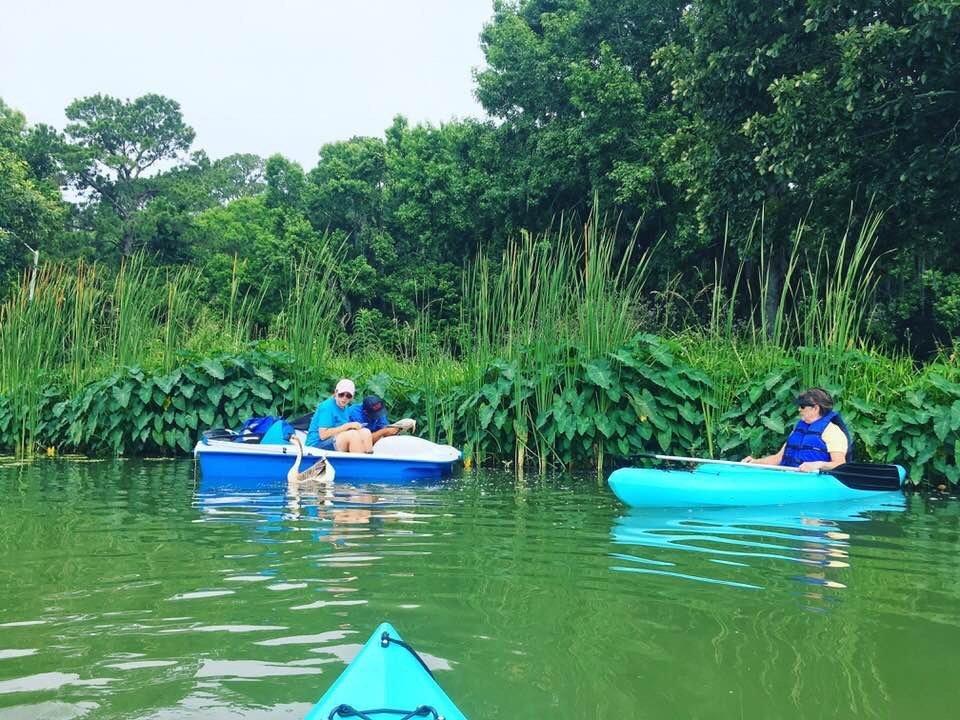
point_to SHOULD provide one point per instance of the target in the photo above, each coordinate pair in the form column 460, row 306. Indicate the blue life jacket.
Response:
column 805, row 443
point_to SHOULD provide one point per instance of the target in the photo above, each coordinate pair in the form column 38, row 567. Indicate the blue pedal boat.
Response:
column 394, row 459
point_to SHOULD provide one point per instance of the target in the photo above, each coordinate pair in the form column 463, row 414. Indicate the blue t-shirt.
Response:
column 327, row 415
column 377, row 422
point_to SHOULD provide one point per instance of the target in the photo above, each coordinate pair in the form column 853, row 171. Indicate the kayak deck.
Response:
column 386, row 679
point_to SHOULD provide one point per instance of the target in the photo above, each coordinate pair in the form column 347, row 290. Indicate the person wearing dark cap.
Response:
column 372, row 415
column 819, row 441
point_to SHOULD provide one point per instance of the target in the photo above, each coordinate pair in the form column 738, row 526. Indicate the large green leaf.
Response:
column 121, row 393
column 265, row 372
column 600, row 373
column 261, row 391
column 234, row 390
column 664, row 438
column 145, row 392
column 955, row 416
column 774, row 424
column 215, row 394
column 605, row 425
column 185, row 442
column 485, row 415
column 213, row 368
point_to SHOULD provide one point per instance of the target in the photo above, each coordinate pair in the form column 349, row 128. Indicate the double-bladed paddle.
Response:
column 859, row 476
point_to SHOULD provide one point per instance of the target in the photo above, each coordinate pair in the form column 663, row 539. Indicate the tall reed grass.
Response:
column 84, row 322
column 310, row 325
column 819, row 297
column 549, row 303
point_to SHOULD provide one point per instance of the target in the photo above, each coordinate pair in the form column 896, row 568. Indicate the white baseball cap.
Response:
column 346, row 386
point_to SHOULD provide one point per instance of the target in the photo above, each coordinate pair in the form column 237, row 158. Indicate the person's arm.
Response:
column 836, row 458
column 327, row 433
column 837, row 445
column 767, row 460
column 380, row 429
column 385, row 432
column 326, row 428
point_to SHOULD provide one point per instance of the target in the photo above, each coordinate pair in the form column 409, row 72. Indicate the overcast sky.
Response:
column 262, row 76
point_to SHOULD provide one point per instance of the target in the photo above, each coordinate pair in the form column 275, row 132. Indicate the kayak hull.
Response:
column 709, row 485
column 254, row 464
column 385, row 677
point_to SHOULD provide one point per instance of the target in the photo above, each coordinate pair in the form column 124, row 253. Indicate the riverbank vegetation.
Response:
column 676, row 215
column 565, row 359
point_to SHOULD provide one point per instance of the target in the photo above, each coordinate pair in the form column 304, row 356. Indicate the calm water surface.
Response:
column 130, row 590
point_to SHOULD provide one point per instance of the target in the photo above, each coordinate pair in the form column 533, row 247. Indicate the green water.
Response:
column 128, row 591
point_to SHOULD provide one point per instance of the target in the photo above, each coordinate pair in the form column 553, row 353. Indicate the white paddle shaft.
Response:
column 677, row 458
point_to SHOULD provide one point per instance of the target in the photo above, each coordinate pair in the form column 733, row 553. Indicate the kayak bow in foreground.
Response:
column 387, row 679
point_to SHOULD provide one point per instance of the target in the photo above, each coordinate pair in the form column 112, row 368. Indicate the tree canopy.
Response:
column 691, row 123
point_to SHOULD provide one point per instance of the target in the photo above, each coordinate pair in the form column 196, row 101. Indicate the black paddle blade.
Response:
column 867, row 476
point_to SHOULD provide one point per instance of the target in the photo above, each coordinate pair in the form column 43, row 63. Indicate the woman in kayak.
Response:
column 819, row 441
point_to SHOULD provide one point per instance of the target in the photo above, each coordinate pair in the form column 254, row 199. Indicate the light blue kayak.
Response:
column 387, row 679
column 710, row 485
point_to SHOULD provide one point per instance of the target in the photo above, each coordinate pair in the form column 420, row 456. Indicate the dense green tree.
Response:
column 875, row 114
column 252, row 245
column 235, row 176
column 348, row 184
column 686, row 120
column 118, row 147
column 31, row 210
column 286, row 184
column 572, row 80
column 819, row 105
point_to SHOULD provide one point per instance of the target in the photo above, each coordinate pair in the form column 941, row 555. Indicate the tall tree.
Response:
column 821, row 104
column 573, row 83
column 119, row 147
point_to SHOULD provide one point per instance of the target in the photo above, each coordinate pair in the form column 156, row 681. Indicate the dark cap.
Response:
column 373, row 406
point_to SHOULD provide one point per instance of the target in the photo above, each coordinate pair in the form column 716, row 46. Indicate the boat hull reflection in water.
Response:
column 745, row 547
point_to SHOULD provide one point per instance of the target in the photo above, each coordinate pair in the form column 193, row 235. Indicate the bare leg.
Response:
column 366, row 440
column 343, row 441
column 354, row 441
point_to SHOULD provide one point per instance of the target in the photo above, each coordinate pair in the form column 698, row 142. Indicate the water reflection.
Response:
column 311, row 501
column 747, row 547
column 128, row 590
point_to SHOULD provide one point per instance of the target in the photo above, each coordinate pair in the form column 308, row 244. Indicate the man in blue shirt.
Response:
column 331, row 427
column 372, row 415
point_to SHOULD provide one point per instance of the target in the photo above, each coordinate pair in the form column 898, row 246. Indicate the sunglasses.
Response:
column 806, row 405
column 348, row 396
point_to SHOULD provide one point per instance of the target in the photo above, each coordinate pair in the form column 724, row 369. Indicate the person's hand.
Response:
column 810, row 466
column 352, row 426
column 391, row 431
column 748, row 459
